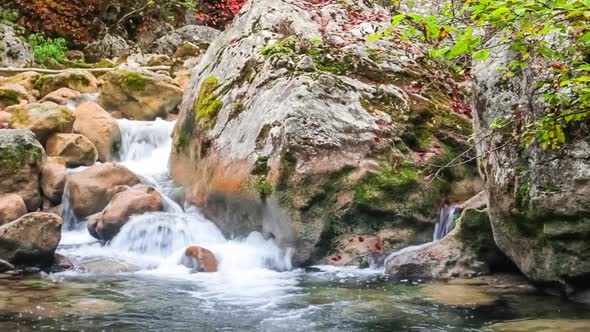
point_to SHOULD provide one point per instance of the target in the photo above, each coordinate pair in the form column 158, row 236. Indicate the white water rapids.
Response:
column 153, row 243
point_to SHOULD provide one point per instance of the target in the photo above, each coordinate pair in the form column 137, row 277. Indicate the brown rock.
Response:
column 61, row 96
column 76, row 149
column 14, row 94
column 122, row 207
column 92, row 189
column 43, row 119
column 12, row 207
column 199, row 259
column 31, row 239
column 53, row 181
column 5, row 117
column 100, row 128
column 79, row 80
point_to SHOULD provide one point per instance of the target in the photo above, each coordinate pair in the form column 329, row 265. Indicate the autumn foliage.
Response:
column 219, row 13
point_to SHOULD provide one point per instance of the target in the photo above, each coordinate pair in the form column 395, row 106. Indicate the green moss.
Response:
column 264, row 188
column 390, row 184
column 12, row 159
column 329, row 60
column 37, row 284
column 183, row 140
column 83, row 79
column 283, row 47
column 375, row 55
column 9, row 95
column 90, row 155
column 39, row 80
column 135, row 81
column 261, row 166
column 207, row 106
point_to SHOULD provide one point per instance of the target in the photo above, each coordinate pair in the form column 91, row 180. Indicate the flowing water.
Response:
column 137, row 284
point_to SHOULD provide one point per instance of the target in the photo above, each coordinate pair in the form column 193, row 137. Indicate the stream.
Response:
column 255, row 289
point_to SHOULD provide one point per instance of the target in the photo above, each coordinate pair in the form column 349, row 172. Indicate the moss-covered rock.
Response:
column 139, row 95
column 42, row 119
column 78, row 80
column 21, row 157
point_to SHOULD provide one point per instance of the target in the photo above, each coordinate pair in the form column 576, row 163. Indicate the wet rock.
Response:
column 75, row 149
column 100, row 128
column 195, row 34
column 92, row 189
column 75, row 56
column 12, row 207
column 61, row 263
column 14, row 52
column 199, row 259
column 539, row 199
column 139, row 95
column 31, row 240
column 77, row 80
column 21, row 157
column 61, row 96
column 125, row 204
column 43, row 119
column 53, row 181
column 542, row 325
column 106, row 266
column 110, row 46
column 334, row 152
column 468, row 251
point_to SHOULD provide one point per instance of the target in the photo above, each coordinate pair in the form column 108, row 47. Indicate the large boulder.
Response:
column 92, row 189
column 110, row 46
column 21, row 157
column 53, row 181
column 26, row 79
column 124, row 205
column 62, row 96
column 75, row 149
column 199, row 259
column 14, row 51
column 100, row 128
column 31, row 239
column 77, row 80
column 195, row 34
column 139, row 95
column 539, row 199
column 310, row 133
column 43, row 119
column 12, row 207
column 468, row 251
column 14, row 94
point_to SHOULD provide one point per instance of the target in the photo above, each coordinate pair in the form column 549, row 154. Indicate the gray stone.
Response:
column 14, row 52
column 199, row 35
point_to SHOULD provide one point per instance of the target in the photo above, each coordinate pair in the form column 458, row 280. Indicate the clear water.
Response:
column 255, row 289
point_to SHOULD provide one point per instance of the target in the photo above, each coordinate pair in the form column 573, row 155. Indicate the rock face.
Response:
column 14, row 52
column 124, row 205
column 77, row 80
column 539, row 200
column 315, row 141
column 61, row 96
column 21, row 157
column 139, row 95
column 100, row 128
column 31, row 239
column 199, row 259
column 53, row 181
column 108, row 47
column 75, row 149
column 468, row 251
column 12, row 207
column 93, row 188
column 195, row 34
column 43, row 119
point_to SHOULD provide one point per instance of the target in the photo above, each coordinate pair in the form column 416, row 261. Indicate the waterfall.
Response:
column 156, row 241
column 446, row 221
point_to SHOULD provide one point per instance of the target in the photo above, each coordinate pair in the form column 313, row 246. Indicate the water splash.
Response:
column 446, row 221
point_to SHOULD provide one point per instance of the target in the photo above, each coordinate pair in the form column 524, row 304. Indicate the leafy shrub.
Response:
column 47, row 48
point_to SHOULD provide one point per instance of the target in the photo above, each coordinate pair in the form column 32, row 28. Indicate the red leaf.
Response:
column 361, row 239
column 378, row 246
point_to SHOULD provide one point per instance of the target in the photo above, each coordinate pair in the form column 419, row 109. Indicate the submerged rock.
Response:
column 139, row 95
column 539, row 199
column 542, row 325
column 75, row 149
column 14, row 51
column 125, row 204
column 457, row 295
column 21, row 157
column 105, row 266
column 43, row 119
column 12, row 207
column 337, row 148
column 31, row 240
column 468, row 251
column 92, row 189
column 199, row 259
column 100, row 128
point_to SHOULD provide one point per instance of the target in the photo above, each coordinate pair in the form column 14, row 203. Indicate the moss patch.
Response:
column 283, row 46
column 391, row 184
column 9, row 95
column 207, row 106
column 183, row 140
column 264, row 188
column 135, row 81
